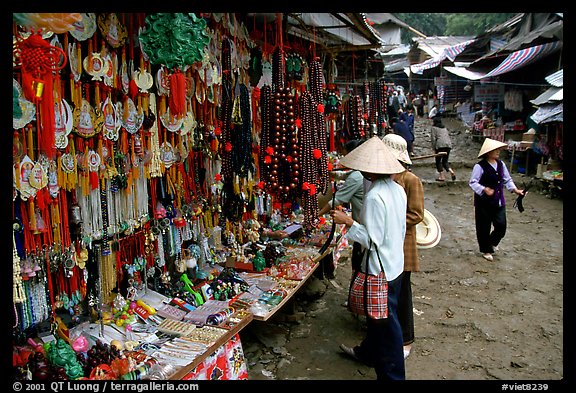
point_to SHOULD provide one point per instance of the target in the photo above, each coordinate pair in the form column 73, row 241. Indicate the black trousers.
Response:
column 357, row 255
column 490, row 226
column 405, row 309
column 442, row 161
column 382, row 347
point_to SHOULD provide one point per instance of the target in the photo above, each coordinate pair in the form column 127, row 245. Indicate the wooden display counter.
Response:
column 188, row 371
column 293, row 291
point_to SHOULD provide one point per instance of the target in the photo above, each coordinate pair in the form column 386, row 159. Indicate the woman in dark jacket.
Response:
column 488, row 179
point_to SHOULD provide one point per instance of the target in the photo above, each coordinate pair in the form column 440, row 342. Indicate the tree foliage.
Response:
column 473, row 23
column 445, row 24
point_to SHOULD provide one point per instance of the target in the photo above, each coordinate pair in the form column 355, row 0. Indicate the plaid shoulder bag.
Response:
column 368, row 294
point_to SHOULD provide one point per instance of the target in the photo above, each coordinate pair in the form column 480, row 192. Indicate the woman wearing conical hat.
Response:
column 489, row 177
column 414, row 215
column 381, row 232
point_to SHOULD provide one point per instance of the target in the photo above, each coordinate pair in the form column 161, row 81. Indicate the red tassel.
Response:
column 133, row 89
column 177, row 102
column 94, row 180
column 48, row 125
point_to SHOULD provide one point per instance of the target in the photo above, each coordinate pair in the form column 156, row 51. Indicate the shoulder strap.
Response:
column 377, row 254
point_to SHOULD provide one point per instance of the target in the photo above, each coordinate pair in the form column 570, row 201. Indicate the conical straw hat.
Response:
column 399, row 147
column 489, row 145
column 373, row 156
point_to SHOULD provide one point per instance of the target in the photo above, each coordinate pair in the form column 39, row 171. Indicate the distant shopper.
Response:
column 420, row 102
column 489, row 177
column 433, row 111
column 400, row 127
column 441, row 143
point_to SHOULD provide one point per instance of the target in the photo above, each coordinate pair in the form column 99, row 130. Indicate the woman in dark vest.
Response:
column 488, row 179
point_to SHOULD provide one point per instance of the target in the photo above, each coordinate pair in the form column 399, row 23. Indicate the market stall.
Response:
column 167, row 170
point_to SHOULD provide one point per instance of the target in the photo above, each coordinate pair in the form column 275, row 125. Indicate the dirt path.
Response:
column 474, row 319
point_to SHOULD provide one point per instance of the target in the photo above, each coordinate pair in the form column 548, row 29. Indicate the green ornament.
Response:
column 259, row 262
column 174, row 39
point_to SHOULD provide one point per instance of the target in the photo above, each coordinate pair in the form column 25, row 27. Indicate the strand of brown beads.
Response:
column 265, row 158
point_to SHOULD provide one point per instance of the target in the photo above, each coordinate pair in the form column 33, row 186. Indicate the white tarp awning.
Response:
column 449, row 53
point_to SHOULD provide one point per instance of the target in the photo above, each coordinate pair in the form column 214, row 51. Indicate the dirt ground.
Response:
column 474, row 319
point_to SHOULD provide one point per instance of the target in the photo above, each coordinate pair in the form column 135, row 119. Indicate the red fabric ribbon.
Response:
column 177, row 102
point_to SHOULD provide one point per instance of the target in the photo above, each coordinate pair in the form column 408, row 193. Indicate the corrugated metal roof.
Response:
column 556, row 79
column 552, row 94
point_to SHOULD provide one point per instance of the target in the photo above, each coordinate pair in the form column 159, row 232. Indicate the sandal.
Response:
column 453, row 177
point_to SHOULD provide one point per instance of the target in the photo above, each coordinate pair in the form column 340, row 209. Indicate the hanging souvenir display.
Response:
column 162, row 81
column 75, row 60
column 148, row 193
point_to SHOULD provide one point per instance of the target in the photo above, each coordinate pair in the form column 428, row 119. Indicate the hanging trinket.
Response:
column 53, row 186
column 124, row 76
column 162, row 81
column 112, row 122
column 294, row 66
column 23, row 111
column 84, row 28
column 63, row 121
column 172, row 123
column 143, row 78
column 113, row 31
column 86, row 122
column 96, row 66
column 167, row 154
column 75, row 63
column 131, row 119
column 26, row 190
column 111, row 64
column 93, row 161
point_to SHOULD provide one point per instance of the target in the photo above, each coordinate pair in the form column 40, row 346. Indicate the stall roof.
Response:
column 514, row 61
column 525, row 30
column 349, row 31
column 552, row 94
column 548, row 113
column 556, row 79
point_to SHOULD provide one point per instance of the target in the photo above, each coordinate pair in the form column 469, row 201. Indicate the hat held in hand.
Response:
column 489, row 145
column 373, row 156
column 428, row 231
